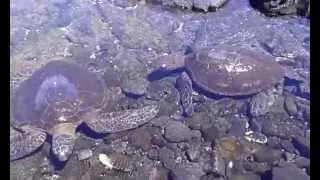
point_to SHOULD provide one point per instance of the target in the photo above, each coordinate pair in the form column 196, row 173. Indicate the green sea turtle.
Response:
column 227, row 71
column 55, row 100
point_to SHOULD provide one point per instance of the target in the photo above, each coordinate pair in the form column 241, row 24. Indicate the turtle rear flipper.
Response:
column 26, row 142
column 120, row 120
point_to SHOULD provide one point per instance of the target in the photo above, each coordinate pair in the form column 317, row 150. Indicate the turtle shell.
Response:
column 57, row 92
column 233, row 72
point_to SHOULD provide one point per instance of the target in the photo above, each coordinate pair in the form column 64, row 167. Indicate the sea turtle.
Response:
column 55, row 100
column 227, row 71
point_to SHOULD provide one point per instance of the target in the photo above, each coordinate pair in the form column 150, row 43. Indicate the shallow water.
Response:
column 120, row 41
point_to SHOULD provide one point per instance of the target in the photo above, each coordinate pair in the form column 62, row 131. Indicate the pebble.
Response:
column 153, row 154
column 289, row 157
column 189, row 171
column 167, row 157
column 290, row 106
column 176, row 131
column 267, row 155
column 288, row 172
column 257, row 167
column 218, row 128
column 288, row 146
column 140, row 138
column 283, row 129
column 302, row 162
column 134, row 83
column 264, row 102
column 84, row 154
column 274, row 142
column 193, row 153
column 158, row 173
column 238, row 127
column 213, row 163
column 246, row 176
column 303, row 145
column 157, row 138
column 211, row 177
column 199, row 120
column 211, row 133
column 255, row 125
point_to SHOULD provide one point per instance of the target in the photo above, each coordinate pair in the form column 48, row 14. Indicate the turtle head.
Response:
column 62, row 146
column 63, row 140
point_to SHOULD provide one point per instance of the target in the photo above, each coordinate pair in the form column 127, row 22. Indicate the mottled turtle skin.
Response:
column 55, row 100
column 230, row 71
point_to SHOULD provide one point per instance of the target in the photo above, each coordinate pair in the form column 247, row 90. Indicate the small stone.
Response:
column 218, row 165
column 211, row 133
column 291, row 106
column 246, row 176
column 303, row 145
column 167, row 157
column 176, row 131
column 218, row 128
column 264, row 102
column 188, row 171
column 238, row 127
column 288, row 146
column 153, row 154
column 198, row 120
column 84, row 154
column 304, row 89
column 267, row 155
column 289, row 157
column 260, row 168
column 255, row 125
column 75, row 168
column 283, row 129
column 302, row 162
column 211, row 177
column 158, row 173
column 134, row 83
column 140, row 138
column 288, row 172
column 193, row 153
column 274, row 142
column 157, row 138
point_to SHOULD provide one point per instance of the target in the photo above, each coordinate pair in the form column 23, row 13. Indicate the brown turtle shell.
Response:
column 55, row 93
column 233, row 71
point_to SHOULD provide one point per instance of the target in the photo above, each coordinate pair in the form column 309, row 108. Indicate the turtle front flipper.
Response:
column 25, row 142
column 121, row 120
column 63, row 140
column 184, row 86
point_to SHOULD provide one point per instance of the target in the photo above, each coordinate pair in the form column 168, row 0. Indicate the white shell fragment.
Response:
column 257, row 137
column 104, row 159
